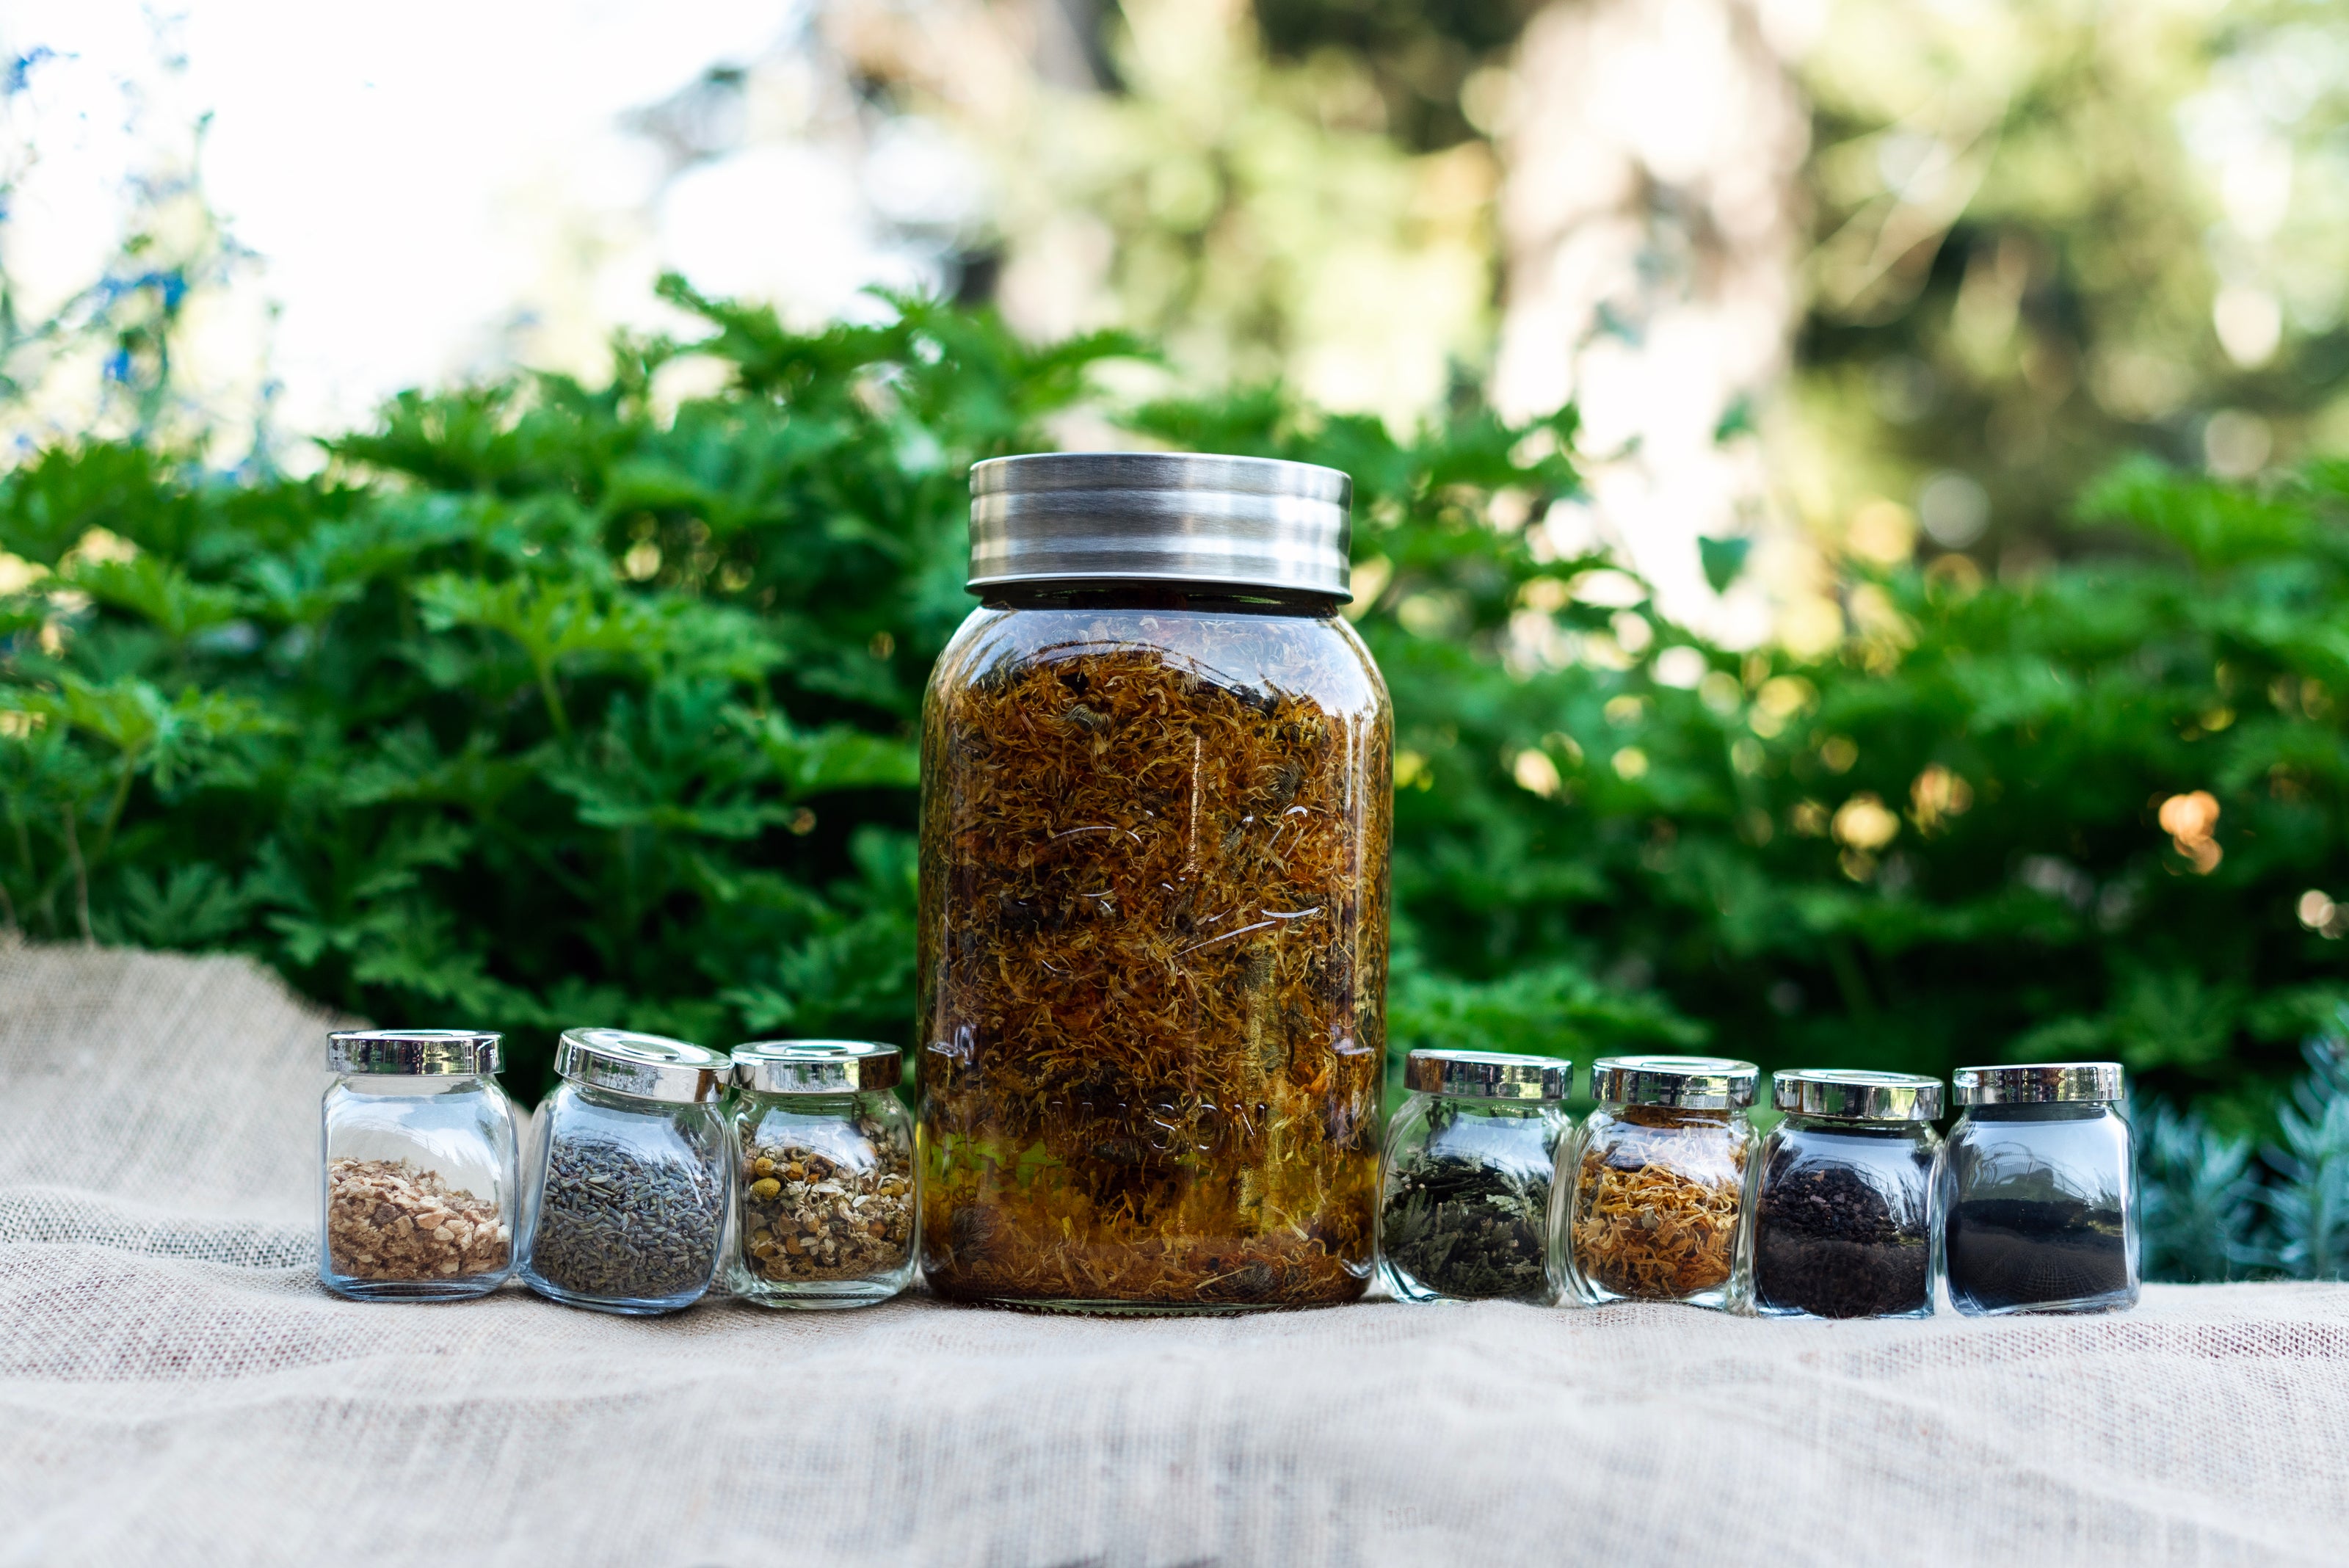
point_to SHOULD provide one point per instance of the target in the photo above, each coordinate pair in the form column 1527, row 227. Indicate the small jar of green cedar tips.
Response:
column 1464, row 1184
column 826, row 1186
column 631, row 1186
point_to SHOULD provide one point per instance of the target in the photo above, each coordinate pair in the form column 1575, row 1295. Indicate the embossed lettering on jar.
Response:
column 1156, row 794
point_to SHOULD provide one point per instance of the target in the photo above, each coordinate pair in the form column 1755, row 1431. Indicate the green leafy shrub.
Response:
column 545, row 704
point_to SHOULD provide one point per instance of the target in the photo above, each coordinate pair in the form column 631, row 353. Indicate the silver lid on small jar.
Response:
column 2038, row 1083
column 1159, row 517
column 1691, row 1082
column 415, row 1052
column 1842, row 1094
column 1488, row 1076
column 816, row 1066
column 643, row 1066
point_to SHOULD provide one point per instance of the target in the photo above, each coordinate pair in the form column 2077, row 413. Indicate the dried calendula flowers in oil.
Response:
column 1656, row 1201
column 386, row 1219
column 1154, row 927
column 833, row 1213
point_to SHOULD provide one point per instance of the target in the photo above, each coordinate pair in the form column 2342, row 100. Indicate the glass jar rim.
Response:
column 816, row 1066
column 641, row 1066
column 1852, row 1094
column 2039, row 1083
column 1691, row 1082
column 1487, row 1075
column 416, row 1053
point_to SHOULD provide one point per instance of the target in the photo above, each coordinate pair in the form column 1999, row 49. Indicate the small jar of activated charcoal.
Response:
column 631, row 1178
column 1839, row 1205
column 2038, row 1191
column 1464, row 1186
column 1648, row 1196
column 417, row 1191
column 825, row 1177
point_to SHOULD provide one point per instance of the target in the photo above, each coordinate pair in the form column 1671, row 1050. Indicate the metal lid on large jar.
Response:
column 816, row 1066
column 1692, row 1083
column 643, row 1066
column 1159, row 517
column 2038, row 1083
column 414, row 1053
column 1488, row 1076
column 1850, row 1094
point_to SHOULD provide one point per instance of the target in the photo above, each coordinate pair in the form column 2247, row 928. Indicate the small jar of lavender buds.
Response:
column 627, row 1197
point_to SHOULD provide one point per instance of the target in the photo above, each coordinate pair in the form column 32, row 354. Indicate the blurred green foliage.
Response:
column 2047, row 234
column 540, row 706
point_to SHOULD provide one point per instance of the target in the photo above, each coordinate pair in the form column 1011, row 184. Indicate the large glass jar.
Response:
column 1464, row 1188
column 1839, row 1218
column 631, row 1181
column 1157, row 796
column 1650, row 1192
column 2040, row 1191
column 415, row 1180
column 825, row 1185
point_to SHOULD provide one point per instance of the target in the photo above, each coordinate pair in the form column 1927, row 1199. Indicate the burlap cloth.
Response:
column 174, row 1387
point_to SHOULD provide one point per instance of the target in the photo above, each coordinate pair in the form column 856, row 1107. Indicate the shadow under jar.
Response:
column 825, row 1185
column 1648, row 1196
column 629, row 1193
column 1156, row 791
column 2039, row 1191
column 417, row 1187
column 1464, row 1188
column 1840, row 1222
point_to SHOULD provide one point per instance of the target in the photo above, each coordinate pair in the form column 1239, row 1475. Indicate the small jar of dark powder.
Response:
column 629, row 1196
column 1839, row 1221
column 1464, row 1185
column 2039, row 1192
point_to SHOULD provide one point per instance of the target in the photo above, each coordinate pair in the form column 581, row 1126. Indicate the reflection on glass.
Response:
column 2041, row 1210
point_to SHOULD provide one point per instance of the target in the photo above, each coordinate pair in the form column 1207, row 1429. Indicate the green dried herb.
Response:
column 1470, row 1228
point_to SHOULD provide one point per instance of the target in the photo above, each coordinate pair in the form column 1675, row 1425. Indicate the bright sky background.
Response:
column 434, row 188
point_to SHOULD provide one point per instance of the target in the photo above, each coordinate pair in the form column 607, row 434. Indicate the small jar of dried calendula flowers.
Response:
column 631, row 1182
column 1464, row 1188
column 416, row 1191
column 826, row 1186
column 1156, row 791
column 1647, row 1197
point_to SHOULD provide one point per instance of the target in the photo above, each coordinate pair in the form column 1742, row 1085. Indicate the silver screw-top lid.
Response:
column 1159, row 517
column 645, row 1066
column 1488, row 1076
column 416, row 1053
column 1850, row 1094
column 2037, row 1083
column 816, row 1066
column 1692, row 1083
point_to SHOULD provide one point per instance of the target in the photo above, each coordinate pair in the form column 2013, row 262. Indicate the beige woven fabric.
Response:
column 174, row 1388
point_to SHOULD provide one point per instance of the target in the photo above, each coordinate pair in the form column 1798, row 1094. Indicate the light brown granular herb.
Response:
column 387, row 1220
column 1154, row 962
column 837, row 1214
column 1656, row 1203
